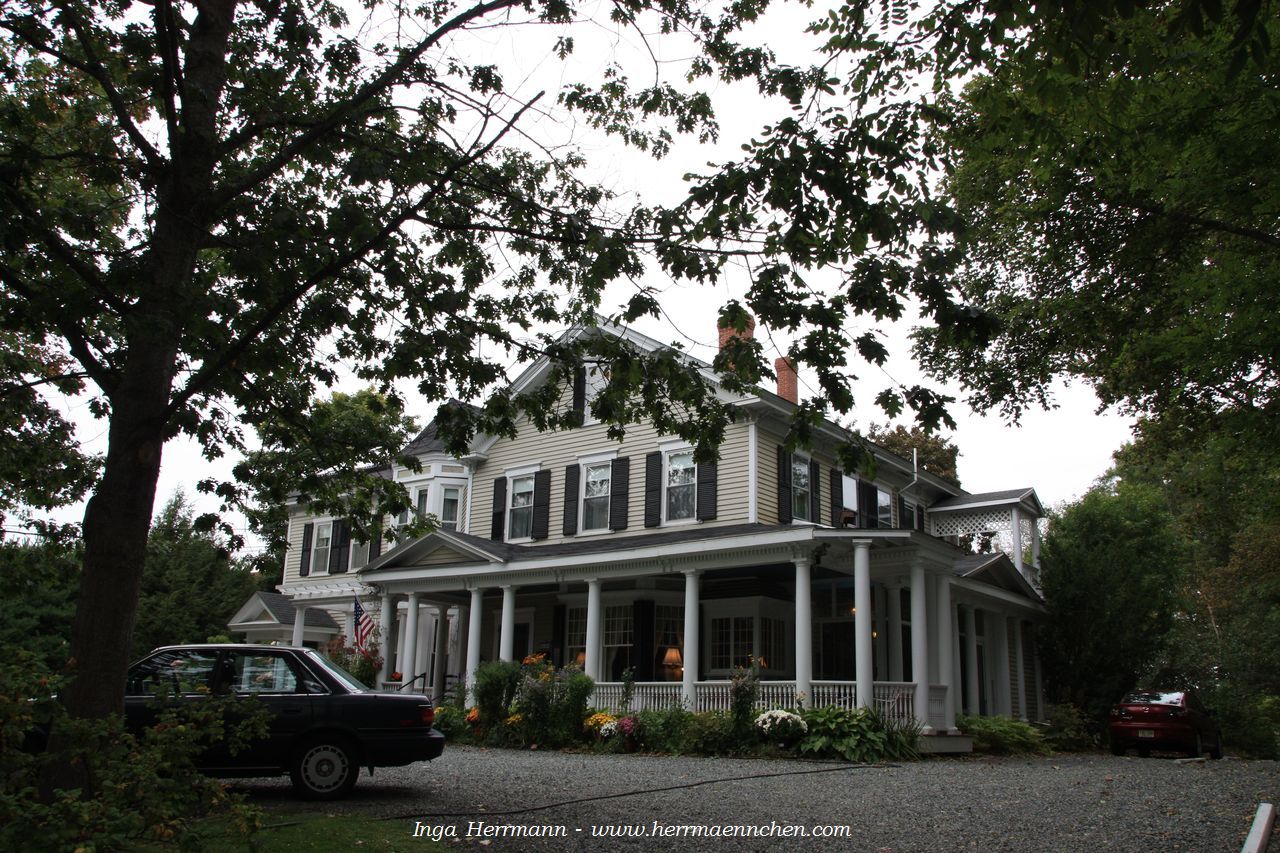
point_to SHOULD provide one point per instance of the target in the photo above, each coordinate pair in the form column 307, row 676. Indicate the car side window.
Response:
column 262, row 673
column 183, row 671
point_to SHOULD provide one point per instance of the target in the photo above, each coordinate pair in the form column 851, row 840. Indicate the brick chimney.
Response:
column 728, row 332
column 788, row 388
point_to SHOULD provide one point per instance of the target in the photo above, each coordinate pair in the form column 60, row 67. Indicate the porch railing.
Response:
column 893, row 699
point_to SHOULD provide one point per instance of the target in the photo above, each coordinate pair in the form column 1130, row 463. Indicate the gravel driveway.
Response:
column 1068, row 802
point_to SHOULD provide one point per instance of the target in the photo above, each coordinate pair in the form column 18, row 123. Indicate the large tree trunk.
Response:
column 116, row 523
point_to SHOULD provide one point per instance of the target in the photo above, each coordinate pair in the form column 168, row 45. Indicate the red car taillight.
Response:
column 426, row 717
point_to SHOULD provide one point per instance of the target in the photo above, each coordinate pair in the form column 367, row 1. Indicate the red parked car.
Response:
column 1152, row 719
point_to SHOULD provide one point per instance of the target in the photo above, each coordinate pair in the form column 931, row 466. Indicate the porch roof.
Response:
column 1024, row 498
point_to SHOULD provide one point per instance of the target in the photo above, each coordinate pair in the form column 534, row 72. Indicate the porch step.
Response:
column 944, row 744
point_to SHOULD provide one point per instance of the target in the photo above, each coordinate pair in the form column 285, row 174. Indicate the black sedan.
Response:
column 324, row 724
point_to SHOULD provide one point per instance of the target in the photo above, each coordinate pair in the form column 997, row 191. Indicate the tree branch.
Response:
column 76, row 340
column 346, row 109
column 203, row 377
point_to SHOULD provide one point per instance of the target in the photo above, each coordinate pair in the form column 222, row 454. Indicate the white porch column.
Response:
column 387, row 631
column 946, row 648
column 862, row 650
column 689, row 689
column 893, row 595
column 1019, row 677
column 410, row 666
column 1015, row 518
column 957, row 667
column 299, row 624
column 473, row 640
column 441, row 654
column 1035, row 542
column 920, row 647
column 507, row 639
column 972, row 700
column 804, row 632
column 591, row 662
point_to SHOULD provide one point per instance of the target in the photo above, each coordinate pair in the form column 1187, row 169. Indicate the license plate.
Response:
column 1146, row 733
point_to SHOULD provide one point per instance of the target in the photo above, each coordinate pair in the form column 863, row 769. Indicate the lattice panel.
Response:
column 959, row 524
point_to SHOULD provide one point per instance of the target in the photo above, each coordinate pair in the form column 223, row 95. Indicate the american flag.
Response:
column 364, row 629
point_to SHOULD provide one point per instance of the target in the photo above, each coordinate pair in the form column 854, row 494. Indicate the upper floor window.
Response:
column 423, row 494
column 884, row 508
column 520, row 516
column 681, row 496
column 801, row 489
column 596, row 485
column 449, row 504
column 320, row 548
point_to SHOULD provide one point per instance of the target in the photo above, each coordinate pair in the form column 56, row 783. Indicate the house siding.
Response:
column 553, row 451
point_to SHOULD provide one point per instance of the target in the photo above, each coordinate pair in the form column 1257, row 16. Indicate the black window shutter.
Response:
column 571, row 473
column 619, row 492
column 815, row 492
column 707, row 491
column 375, row 547
column 580, row 390
column 499, row 508
column 868, row 508
column 903, row 522
column 304, row 567
column 340, row 552
column 837, row 496
column 653, row 489
column 643, row 652
column 920, row 517
column 541, row 504
column 784, row 486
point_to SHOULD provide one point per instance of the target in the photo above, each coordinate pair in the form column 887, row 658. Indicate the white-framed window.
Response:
column 423, row 494
column 520, row 508
column 772, row 650
column 359, row 554
column 849, row 492
column 884, row 508
column 909, row 511
column 801, row 488
column 681, row 492
column 450, row 502
column 596, row 488
column 596, row 379
column 732, row 641
column 320, row 548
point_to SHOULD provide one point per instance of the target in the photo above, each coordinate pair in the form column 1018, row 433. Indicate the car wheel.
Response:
column 324, row 769
column 1117, row 749
column 1144, row 752
column 1197, row 748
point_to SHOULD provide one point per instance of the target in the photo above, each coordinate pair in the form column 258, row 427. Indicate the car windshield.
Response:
column 347, row 679
column 1152, row 697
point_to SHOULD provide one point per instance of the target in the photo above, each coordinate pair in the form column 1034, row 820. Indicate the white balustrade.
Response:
column 938, row 706
column 895, row 700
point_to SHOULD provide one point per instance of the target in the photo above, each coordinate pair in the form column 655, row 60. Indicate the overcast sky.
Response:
column 1059, row 453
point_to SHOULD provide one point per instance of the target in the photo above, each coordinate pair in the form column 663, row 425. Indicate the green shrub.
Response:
column 452, row 723
column 1068, row 730
column 744, row 687
column 664, row 731
column 552, row 703
column 128, row 790
column 1250, row 722
column 1002, row 735
column 901, row 737
column 710, row 733
column 853, row 735
column 496, row 685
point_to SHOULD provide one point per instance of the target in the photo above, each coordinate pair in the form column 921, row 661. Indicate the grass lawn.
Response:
column 323, row 833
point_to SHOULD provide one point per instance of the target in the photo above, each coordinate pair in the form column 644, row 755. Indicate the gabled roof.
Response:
column 274, row 607
column 996, row 569
column 1026, row 498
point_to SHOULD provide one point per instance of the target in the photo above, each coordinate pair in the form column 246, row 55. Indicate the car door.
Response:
column 180, row 675
column 274, row 678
